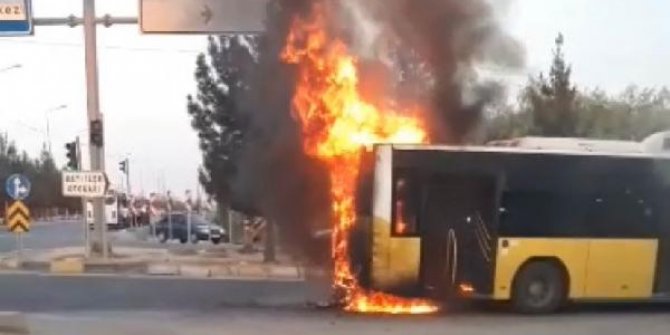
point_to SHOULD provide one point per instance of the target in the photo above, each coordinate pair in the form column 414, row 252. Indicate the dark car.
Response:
column 201, row 230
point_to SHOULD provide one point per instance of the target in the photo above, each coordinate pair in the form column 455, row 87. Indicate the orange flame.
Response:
column 336, row 124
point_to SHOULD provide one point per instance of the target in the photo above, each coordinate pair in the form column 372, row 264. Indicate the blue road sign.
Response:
column 17, row 186
column 16, row 18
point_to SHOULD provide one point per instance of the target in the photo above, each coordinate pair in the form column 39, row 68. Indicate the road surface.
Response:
column 39, row 292
column 258, row 321
column 59, row 305
column 58, row 234
column 45, row 235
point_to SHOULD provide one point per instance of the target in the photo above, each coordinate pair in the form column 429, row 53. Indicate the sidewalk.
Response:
column 220, row 262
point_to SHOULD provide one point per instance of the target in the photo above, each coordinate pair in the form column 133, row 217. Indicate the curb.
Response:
column 128, row 267
column 277, row 272
column 66, row 266
column 74, row 265
column 71, row 266
column 13, row 323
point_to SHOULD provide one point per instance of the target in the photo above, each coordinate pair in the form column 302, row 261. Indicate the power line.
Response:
column 108, row 47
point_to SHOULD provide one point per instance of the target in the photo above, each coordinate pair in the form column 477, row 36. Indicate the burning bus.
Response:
column 533, row 227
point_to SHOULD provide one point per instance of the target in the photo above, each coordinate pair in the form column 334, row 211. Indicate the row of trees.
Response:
column 45, row 196
column 553, row 106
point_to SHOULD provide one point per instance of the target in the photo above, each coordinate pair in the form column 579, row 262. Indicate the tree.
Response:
column 43, row 174
column 552, row 102
column 631, row 115
column 219, row 110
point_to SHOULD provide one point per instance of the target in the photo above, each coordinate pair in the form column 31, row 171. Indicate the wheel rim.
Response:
column 539, row 292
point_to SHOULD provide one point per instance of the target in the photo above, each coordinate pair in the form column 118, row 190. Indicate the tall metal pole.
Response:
column 84, row 210
column 128, row 176
column 97, row 153
column 46, row 117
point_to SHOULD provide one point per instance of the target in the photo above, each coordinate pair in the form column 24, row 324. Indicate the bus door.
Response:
column 457, row 235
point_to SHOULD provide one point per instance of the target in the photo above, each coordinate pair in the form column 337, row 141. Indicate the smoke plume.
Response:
column 411, row 52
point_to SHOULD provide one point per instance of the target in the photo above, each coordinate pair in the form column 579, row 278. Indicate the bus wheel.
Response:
column 538, row 288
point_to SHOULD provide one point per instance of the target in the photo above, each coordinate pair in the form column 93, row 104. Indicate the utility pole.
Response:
column 84, row 210
column 46, row 118
column 97, row 151
column 128, row 176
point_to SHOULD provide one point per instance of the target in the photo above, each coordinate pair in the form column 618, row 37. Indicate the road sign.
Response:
column 17, row 187
column 203, row 16
column 18, row 217
column 85, row 184
column 15, row 18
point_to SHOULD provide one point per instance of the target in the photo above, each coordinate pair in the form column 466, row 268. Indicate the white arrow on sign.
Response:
column 85, row 184
column 203, row 16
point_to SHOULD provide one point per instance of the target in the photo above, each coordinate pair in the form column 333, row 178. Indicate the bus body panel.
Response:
column 395, row 261
column 621, row 268
column 572, row 253
column 596, row 268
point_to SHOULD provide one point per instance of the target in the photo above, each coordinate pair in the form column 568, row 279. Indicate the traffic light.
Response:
column 71, row 154
column 97, row 137
column 123, row 166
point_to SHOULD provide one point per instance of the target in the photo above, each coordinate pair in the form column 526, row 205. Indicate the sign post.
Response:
column 169, row 212
column 18, row 215
column 16, row 18
column 189, row 222
column 85, row 185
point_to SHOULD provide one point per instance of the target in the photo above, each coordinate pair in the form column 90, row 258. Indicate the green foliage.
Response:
column 43, row 174
column 554, row 107
column 551, row 102
column 632, row 115
column 219, row 110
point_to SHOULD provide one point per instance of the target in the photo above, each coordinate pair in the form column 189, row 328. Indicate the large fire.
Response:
column 337, row 124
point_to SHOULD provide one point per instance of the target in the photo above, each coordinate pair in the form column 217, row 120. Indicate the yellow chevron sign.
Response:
column 18, row 217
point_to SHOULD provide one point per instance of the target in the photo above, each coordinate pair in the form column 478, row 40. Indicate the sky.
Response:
column 144, row 79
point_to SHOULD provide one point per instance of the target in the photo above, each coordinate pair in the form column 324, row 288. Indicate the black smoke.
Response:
column 424, row 51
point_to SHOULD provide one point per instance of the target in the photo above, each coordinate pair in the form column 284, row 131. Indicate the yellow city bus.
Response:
column 536, row 228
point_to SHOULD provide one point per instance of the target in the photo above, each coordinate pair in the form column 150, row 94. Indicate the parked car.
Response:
column 201, row 230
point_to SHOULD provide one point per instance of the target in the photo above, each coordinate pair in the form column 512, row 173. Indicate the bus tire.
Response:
column 539, row 287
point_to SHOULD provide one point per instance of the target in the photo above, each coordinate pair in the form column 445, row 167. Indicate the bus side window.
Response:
column 404, row 207
column 622, row 214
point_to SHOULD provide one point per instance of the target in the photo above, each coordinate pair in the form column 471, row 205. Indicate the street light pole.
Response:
column 46, row 116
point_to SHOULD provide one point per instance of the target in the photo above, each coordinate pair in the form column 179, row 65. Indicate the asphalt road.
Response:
column 149, row 305
column 58, row 234
column 45, row 235
column 259, row 321
column 46, row 293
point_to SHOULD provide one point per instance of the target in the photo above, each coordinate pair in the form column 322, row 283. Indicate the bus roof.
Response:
column 525, row 150
column 571, row 144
